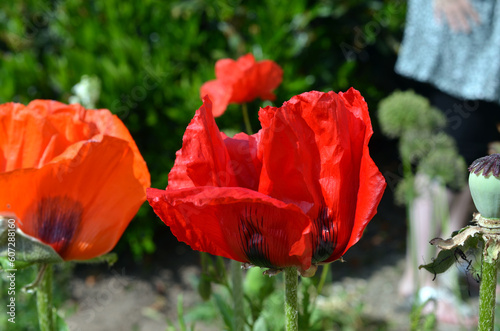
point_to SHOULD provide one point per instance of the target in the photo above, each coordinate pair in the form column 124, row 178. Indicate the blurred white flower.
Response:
column 86, row 92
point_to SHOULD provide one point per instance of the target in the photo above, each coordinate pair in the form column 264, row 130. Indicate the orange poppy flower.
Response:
column 73, row 177
column 241, row 81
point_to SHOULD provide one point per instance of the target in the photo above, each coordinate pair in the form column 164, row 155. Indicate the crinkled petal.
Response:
column 33, row 136
column 92, row 198
column 203, row 159
column 219, row 93
column 246, row 165
column 236, row 223
column 242, row 81
column 110, row 125
column 371, row 182
column 42, row 130
column 290, row 154
column 315, row 153
column 258, row 81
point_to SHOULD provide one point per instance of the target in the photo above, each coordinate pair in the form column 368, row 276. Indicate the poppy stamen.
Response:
column 253, row 243
column 325, row 240
column 59, row 218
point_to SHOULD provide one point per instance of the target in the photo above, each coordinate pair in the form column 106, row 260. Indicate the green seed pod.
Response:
column 484, row 183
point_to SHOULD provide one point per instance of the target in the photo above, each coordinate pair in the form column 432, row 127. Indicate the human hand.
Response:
column 457, row 13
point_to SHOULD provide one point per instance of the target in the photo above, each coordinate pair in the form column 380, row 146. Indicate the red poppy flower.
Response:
column 299, row 192
column 73, row 177
column 241, row 81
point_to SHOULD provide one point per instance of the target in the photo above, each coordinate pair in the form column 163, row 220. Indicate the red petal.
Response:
column 213, row 220
column 371, row 183
column 268, row 77
column 209, row 158
column 315, row 154
column 257, row 81
column 229, row 71
column 245, row 163
column 203, row 159
column 219, row 93
column 291, row 154
column 245, row 80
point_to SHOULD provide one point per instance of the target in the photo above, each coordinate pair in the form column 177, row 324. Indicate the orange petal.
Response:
column 42, row 130
column 33, row 138
column 111, row 125
column 100, row 179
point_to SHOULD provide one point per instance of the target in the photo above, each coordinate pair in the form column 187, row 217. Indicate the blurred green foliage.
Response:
column 264, row 301
column 407, row 111
column 424, row 147
column 152, row 57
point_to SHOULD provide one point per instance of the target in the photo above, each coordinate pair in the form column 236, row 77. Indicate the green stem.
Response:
column 246, row 118
column 487, row 295
column 180, row 312
column 44, row 298
column 322, row 279
column 237, row 280
column 291, row 302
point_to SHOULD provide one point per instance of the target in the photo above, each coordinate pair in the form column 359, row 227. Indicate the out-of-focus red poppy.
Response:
column 73, row 177
column 241, row 81
column 299, row 192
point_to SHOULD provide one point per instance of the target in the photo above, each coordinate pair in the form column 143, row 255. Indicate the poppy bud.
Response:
column 205, row 287
column 484, row 182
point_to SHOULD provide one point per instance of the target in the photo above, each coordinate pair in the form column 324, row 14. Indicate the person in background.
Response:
column 451, row 54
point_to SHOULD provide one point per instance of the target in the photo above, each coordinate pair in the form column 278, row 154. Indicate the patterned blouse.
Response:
column 465, row 65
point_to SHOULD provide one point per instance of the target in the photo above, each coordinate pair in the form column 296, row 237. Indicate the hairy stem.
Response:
column 44, row 298
column 291, row 302
column 487, row 295
column 237, row 280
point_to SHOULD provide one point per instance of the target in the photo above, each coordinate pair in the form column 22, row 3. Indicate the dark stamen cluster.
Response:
column 58, row 218
column 325, row 238
column 253, row 242
column 488, row 164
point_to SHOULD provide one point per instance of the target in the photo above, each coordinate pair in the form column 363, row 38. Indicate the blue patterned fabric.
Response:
column 465, row 65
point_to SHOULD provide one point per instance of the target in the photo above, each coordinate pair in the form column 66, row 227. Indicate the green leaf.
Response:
column 180, row 313
column 225, row 310
column 463, row 240
column 257, row 285
column 444, row 260
column 60, row 323
column 18, row 250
